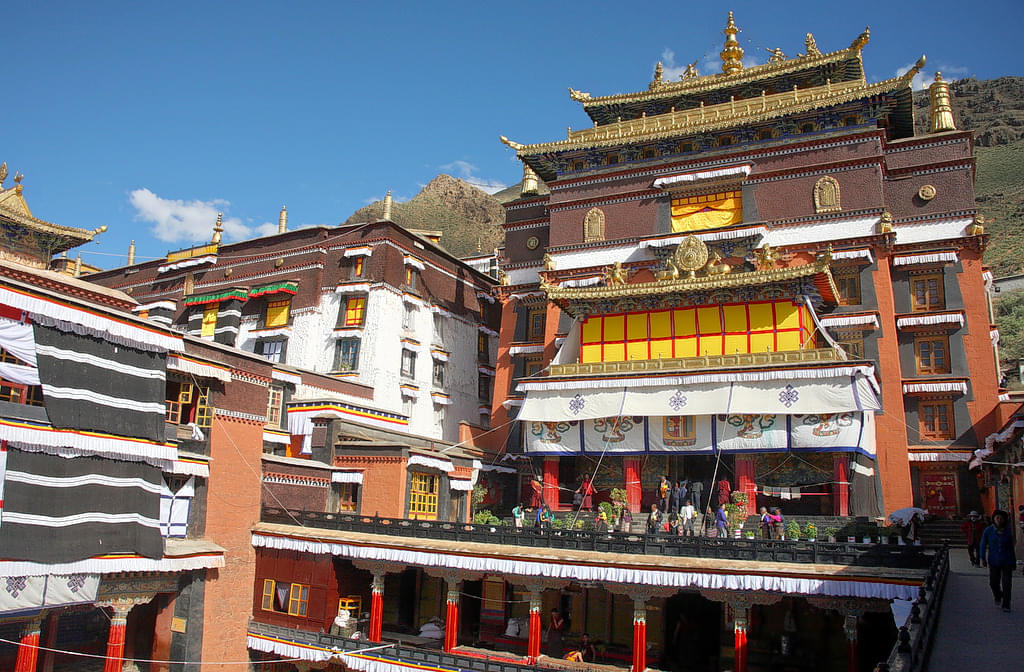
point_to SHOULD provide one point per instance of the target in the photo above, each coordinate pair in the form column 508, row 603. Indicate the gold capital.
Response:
column 732, row 53
column 941, row 116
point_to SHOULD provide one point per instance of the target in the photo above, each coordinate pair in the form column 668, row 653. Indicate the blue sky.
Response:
column 149, row 117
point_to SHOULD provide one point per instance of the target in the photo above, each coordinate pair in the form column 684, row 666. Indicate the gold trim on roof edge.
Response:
column 30, row 221
column 711, row 117
column 720, row 80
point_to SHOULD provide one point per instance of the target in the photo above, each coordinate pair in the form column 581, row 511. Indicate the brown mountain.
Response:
column 470, row 219
column 994, row 110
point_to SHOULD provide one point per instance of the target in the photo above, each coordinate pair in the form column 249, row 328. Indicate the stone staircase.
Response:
column 938, row 531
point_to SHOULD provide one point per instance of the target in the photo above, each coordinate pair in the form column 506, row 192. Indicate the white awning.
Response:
column 487, row 371
column 286, row 377
column 439, row 355
column 431, row 462
column 485, row 330
column 440, row 399
column 352, row 288
column 440, row 310
column 282, row 438
column 854, row 254
column 938, row 386
column 156, row 305
column 581, row 282
column 684, row 178
column 364, row 251
column 944, row 456
column 956, row 318
column 412, row 300
column 526, row 349
column 460, row 484
column 188, row 263
column 410, row 392
column 922, row 259
column 414, row 262
column 485, row 297
column 351, row 332
column 836, row 321
column 347, row 477
column 519, row 296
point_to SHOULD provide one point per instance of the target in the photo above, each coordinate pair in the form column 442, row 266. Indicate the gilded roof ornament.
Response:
column 918, row 65
column 514, row 145
column 616, row 275
column 578, row 95
column 732, row 52
column 811, row 45
column 777, row 55
column 218, row 227
column 862, row 39
column 3, row 173
column 765, row 257
column 940, row 118
column 690, row 72
column 659, row 73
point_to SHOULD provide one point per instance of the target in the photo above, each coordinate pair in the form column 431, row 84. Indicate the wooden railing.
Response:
column 914, row 640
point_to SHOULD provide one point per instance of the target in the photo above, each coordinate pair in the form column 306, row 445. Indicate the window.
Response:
column 346, row 354
column 937, row 420
column 707, row 211
column 209, row 320
column 277, row 313
column 482, row 347
column 348, row 497
column 188, row 403
column 649, row 153
column 273, row 350
column 438, row 328
column 16, row 393
column 577, row 165
column 611, row 159
column 850, row 121
column 357, row 268
column 355, row 312
column 407, row 316
column 410, row 277
column 685, row 147
column 535, row 325
column 423, row 497
column 438, row 373
column 408, row 363
column 285, row 598
column 765, row 134
column 439, row 416
column 807, row 128
column 848, row 285
column 532, row 366
column 926, row 293
column 275, row 399
column 854, row 347
column 932, row 354
column 483, row 387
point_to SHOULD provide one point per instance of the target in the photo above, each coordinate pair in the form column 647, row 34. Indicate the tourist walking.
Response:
column 973, row 528
column 555, row 634
column 722, row 522
column 654, row 520
column 996, row 550
column 688, row 515
column 518, row 514
column 664, row 491
column 625, row 519
column 674, row 501
column 696, row 490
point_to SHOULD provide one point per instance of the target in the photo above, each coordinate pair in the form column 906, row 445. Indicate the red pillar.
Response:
column 841, row 485
column 376, row 607
column 739, row 629
column 850, row 628
column 631, row 467
column 451, row 619
column 745, row 481
column 115, row 638
column 49, row 639
column 551, row 482
column 639, row 635
column 533, row 641
column 28, row 646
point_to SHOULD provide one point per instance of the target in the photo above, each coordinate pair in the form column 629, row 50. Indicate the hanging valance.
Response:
column 837, row 321
column 197, row 368
column 431, row 463
column 282, row 438
column 526, row 349
column 275, row 288
column 486, row 330
column 928, row 258
column 188, row 263
column 956, row 318
column 414, row 262
column 685, row 178
column 410, row 391
column 347, row 477
column 938, row 386
column 352, row 288
column 461, row 484
column 364, row 251
column 439, row 310
column 286, row 377
column 854, row 254
column 217, row 297
column 439, row 355
column 485, row 297
column 440, row 399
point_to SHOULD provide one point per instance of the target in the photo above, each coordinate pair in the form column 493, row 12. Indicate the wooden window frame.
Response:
column 927, row 306
column 269, row 323
column 275, row 401
column 483, row 347
column 853, row 278
column 208, row 324
column 339, row 349
column 423, row 490
column 536, row 321
column 438, row 373
column 269, row 589
column 532, row 366
column 261, row 349
column 936, row 433
column 348, row 497
column 354, row 313
column 408, row 365
column 358, row 266
column 931, row 367
column 483, row 387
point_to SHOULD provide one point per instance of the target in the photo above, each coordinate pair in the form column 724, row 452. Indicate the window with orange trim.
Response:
column 932, row 354
column 927, row 293
column 423, row 497
column 936, row 419
column 357, row 267
column 355, row 312
column 535, row 325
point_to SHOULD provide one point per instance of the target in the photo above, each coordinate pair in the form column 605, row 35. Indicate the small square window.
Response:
column 438, row 373
column 848, row 285
column 277, row 313
column 532, row 367
column 354, row 313
column 927, row 293
column 932, row 354
column 272, row 350
column 535, row 325
column 346, row 354
column 936, row 418
column 408, row 363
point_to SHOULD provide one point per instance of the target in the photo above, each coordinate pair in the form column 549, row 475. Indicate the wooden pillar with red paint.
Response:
column 639, row 634
column 115, row 637
column 376, row 607
column 739, row 629
column 745, row 481
column 451, row 619
column 534, row 630
column 841, row 485
column 631, row 468
column 551, row 482
column 850, row 628
column 48, row 637
column 28, row 646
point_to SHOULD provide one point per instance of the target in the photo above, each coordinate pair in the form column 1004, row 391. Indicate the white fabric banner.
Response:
column 623, row 434
column 752, row 433
column 24, row 593
column 668, row 434
column 17, row 339
column 829, row 431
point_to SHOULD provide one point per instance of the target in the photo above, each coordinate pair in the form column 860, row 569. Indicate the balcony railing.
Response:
column 760, row 550
column 698, row 363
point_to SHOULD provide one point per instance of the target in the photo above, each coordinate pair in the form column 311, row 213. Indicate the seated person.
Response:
column 432, row 629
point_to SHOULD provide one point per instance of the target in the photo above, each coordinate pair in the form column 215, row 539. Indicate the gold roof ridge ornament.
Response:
column 218, row 228
column 940, row 118
column 732, row 52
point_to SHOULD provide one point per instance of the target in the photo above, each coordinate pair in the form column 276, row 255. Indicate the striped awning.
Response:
column 275, row 288
column 217, row 297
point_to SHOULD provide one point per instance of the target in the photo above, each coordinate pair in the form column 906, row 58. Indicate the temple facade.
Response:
column 763, row 275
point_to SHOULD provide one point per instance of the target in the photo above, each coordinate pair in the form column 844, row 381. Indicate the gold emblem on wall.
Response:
column 826, row 195
column 532, row 242
column 593, row 225
column 926, row 192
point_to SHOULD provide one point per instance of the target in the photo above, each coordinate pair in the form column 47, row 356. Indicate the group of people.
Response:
column 583, row 653
column 992, row 545
column 679, row 523
column 674, row 496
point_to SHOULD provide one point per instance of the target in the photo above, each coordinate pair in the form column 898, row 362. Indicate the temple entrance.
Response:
column 567, row 481
column 469, row 611
column 691, row 639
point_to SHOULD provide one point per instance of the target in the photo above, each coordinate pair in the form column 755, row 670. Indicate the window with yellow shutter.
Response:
column 707, row 211
column 209, row 320
column 423, row 497
column 355, row 312
column 278, row 313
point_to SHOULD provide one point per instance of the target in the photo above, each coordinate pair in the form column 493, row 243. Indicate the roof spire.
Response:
column 388, row 202
column 941, row 116
column 732, row 53
column 659, row 73
column 282, row 220
column 217, row 229
column 78, row 265
column 131, row 254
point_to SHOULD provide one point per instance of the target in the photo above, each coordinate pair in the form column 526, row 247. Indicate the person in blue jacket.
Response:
column 996, row 551
column 722, row 521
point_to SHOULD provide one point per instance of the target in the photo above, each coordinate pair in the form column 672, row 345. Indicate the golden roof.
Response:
column 14, row 208
column 716, row 117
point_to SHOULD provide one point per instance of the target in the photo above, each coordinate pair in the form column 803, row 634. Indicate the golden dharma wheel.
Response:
column 691, row 254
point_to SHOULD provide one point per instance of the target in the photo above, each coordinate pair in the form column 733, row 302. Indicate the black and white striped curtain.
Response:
column 97, row 385
column 58, row 510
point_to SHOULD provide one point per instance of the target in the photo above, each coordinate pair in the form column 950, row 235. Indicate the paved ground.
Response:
column 973, row 633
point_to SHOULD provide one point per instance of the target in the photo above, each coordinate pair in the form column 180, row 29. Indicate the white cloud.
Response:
column 176, row 221
column 673, row 71
column 466, row 171
column 923, row 79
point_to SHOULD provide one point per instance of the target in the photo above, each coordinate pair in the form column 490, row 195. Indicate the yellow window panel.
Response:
column 661, row 324
column 684, row 320
column 268, row 595
column 637, row 350
column 761, row 317
column 614, row 328
column 709, row 320
column 735, row 344
column 686, row 347
column 636, row 326
column 789, row 340
column 614, row 352
column 592, row 330
column 661, row 349
column 735, row 318
column 591, row 353
column 787, row 315
column 762, row 342
column 209, row 320
column 277, row 313
column 711, row 345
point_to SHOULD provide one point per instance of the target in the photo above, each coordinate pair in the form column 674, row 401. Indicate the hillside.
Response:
column 994, row 110
column 470, row 220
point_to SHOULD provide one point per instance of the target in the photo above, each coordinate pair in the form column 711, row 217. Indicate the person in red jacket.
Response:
column 972, row 529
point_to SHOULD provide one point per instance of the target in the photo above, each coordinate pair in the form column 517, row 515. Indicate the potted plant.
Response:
column 830, row 533
column 811, row 532
column 793, row 530
column 749, row 534
column 485, row 517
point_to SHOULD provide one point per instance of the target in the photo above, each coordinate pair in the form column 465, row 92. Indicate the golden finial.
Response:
column 217, row 229
column 811, row 45
column 659, row 72
column 18, row 177
column 78, row 265
column 732, row 53
column 689, row 73
column 3, row 173
column 388, row 202
column 941, row 116
column 777, row 55
column 131, row 254
column 514, row 145
column 529, row 181
column 910, row 74
column 862, row 39
column 578, row 96
column 282, row 220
